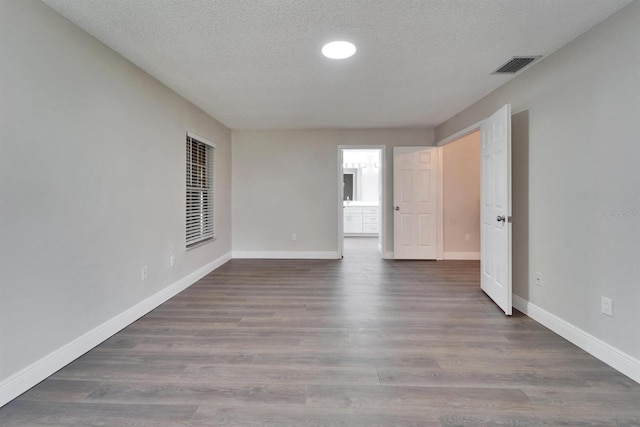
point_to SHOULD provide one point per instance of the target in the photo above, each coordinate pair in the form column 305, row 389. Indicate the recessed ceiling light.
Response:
column 338, row 50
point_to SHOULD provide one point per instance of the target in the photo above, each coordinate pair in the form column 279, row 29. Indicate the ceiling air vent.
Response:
column 516, row 64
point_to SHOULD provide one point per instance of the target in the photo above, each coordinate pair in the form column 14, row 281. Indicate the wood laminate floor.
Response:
column 357, row 342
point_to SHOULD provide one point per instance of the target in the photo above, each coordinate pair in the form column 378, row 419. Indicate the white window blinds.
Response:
column 200, row 190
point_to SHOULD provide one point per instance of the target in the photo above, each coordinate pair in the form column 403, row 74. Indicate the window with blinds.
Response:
column 200, row 190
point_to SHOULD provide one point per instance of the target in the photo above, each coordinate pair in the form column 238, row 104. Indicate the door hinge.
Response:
column 509, row 219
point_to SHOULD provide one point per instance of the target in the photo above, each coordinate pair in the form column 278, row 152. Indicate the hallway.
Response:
column 360, row 248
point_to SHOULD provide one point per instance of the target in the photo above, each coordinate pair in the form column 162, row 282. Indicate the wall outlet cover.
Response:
column 606, row 306
column 538, row 279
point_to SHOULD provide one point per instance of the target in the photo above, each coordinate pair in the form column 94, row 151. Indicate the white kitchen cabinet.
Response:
column 361, row 220
column 352, row 219
column 353, row 223
column 370, row 220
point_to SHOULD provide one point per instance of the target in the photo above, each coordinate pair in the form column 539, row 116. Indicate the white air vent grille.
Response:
column 515, row 64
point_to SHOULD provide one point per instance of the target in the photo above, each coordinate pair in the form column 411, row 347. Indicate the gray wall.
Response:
column 285, row 182
column 575, row 178
column 91, row 184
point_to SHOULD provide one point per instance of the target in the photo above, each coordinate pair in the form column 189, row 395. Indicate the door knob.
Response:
column 501, row 218
column 397, row 208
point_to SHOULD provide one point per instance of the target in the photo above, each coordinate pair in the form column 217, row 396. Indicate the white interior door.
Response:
column 340, row 203
column 495, row 199
column 415, row 174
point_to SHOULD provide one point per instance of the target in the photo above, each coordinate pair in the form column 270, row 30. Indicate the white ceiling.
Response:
column 256, row 64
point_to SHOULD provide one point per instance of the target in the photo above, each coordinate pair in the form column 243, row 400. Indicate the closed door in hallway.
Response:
column 415, row 175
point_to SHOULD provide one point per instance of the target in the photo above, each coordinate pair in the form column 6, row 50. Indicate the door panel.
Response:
column 425, row 186
column 406, row 232
column 496, row 208
column 425, row 222
column 406, row 186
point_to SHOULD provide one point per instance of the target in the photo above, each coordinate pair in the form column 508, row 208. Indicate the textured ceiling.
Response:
column 256, row 64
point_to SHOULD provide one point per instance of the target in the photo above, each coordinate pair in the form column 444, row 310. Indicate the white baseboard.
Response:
column 286, row 254
column 26, row 378
column 462, row 255
column 610, row 355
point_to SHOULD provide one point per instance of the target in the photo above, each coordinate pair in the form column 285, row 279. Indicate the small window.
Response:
column 200, row 190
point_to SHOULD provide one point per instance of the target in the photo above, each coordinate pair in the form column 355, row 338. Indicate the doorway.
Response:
column 461, row 198
column 361, row 200
column 495, row 204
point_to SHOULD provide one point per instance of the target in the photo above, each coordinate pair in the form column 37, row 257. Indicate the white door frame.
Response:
column 440, row 204
column 382, row 239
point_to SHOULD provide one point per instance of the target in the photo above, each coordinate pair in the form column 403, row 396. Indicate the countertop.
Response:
column 359, row 203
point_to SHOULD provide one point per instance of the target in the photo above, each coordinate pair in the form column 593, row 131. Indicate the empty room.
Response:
column 358, row 213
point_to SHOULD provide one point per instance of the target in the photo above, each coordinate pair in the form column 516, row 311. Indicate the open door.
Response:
column 340, row 204
column 415, row 179
column 495, row 198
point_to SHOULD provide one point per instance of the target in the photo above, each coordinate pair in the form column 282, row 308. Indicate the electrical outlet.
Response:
column 538, row 279
column 172, row 261
column 145, row 272
column 294, row 237
column 606, row 306
column 467, row 237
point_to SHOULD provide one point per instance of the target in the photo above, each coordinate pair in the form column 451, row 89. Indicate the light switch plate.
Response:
column 606, row 306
